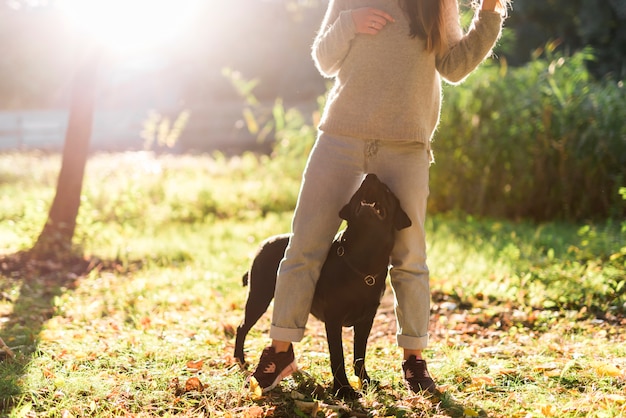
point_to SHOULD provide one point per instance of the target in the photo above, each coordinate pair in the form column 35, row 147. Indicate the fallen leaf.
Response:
column 469, row 412
column 615, row 398
column 146, row 322
column 607, row 370
column 175, row 384
column 553, row 373
column 483, row 381
column 297, row 395
column 195, row 365
column 255, row 388
column 546, row 366
column 193, row 383
column 254, row 412
column 310, row 407
column 506, row 371
column 547, row 410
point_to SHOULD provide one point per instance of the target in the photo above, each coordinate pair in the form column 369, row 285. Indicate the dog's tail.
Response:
column 244, row 279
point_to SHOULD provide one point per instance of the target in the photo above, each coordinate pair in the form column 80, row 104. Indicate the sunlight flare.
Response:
column 128, row 25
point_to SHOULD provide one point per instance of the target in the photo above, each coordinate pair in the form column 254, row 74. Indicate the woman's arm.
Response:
column 467, row 51
column 339, row 27
column 332, row 42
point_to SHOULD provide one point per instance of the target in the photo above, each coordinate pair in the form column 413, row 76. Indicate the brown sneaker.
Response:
column 416, row 376
column 274, row 367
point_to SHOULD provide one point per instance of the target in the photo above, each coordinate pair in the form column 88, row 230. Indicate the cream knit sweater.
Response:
column 387, row 87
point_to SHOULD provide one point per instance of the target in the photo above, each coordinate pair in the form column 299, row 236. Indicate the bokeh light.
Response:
column 130, row 25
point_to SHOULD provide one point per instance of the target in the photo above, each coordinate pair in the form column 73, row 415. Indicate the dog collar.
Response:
column 369, row 279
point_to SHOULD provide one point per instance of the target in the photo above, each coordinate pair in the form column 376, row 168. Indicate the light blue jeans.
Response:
column 334, row 171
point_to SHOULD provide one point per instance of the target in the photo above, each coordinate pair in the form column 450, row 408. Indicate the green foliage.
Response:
column 552, row 265
column 576, row 24
column 291, row 133
column 561, row 265
column 160, row 131
column 541, row 141
column 544, row 141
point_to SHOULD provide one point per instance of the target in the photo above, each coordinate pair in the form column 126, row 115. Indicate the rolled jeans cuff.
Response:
column 412, row 343
column 293, row 335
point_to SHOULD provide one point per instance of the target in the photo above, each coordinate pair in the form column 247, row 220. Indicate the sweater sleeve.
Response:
column 332, row 42
column 468, row 51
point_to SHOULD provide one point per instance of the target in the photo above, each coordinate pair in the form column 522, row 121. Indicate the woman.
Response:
column 387, row 58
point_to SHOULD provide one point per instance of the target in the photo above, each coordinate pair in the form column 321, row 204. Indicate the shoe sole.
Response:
column 292, row 367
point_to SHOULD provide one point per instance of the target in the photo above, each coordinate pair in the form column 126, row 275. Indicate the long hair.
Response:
column 426, row 22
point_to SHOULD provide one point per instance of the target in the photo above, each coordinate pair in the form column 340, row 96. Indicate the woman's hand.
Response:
column 369, row 20
column 495, row 6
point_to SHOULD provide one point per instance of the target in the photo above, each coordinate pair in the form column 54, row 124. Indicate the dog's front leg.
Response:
column 341, row 386
column 361, row 334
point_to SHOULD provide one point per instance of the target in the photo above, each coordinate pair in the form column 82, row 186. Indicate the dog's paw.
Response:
column 347, row 393
column 368, row 383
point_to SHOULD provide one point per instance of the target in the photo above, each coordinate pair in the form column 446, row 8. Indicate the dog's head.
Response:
column 375, row 204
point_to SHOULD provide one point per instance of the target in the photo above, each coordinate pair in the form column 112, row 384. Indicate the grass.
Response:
column 527, row 320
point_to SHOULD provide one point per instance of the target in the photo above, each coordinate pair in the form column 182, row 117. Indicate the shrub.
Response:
column 543, row 141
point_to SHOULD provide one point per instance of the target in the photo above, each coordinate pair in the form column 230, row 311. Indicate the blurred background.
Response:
column 267, row 41
column 537, row 132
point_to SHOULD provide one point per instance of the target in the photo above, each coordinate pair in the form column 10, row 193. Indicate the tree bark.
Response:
column 58, row 231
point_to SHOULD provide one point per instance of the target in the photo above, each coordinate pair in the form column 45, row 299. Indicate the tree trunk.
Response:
column 58, row 231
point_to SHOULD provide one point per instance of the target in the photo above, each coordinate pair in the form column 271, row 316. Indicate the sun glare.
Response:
column 127, row 25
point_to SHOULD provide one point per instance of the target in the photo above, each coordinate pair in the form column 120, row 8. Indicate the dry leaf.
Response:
column 308, row 407
column 469, row 412
column 615, row 398
column 175, row 384
column 146, row 322
column 255, row 388
column 48, row 373
column 195, row 365
column 553, row 373
column 193, row 383
column 547, row 410
column 546, row 366
column 254, row 412
column 482, row 381
column 607, row 370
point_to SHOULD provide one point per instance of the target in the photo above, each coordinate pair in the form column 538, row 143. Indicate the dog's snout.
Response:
column 378, row 210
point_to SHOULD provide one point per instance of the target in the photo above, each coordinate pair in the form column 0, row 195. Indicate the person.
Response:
column 387, row 58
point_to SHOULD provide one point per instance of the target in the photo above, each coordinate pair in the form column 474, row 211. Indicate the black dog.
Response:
column 351, row 282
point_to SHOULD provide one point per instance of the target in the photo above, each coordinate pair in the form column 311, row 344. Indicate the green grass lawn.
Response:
column 527, row 319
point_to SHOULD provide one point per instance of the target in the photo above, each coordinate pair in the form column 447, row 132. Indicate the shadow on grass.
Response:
column 29, row 287
column 311, row 397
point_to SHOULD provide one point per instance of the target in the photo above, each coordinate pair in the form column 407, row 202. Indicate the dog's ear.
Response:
column 401, row 220
column 344, row 213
